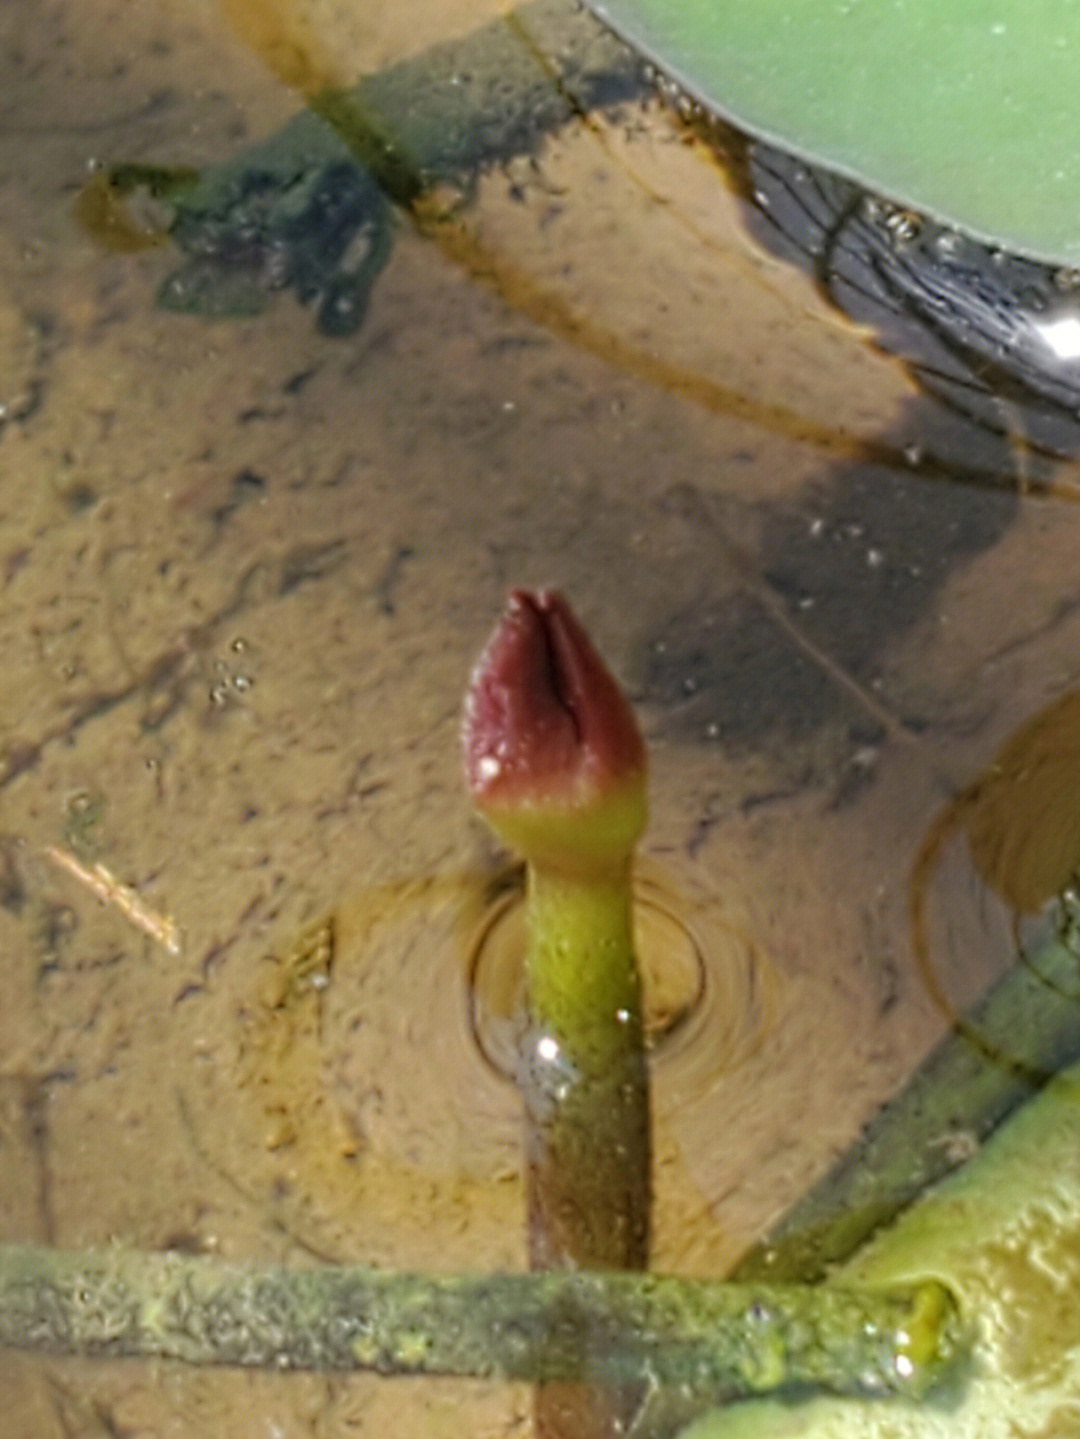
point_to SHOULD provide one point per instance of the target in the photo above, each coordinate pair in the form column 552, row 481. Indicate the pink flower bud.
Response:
column 549, row 738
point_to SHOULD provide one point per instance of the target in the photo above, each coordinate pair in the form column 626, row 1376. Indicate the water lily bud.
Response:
column 554, row 759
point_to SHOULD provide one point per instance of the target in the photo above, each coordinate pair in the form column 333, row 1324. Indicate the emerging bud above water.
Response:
column 553, row 756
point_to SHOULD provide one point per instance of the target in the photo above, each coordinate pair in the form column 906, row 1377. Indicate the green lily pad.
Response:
column 968, row 111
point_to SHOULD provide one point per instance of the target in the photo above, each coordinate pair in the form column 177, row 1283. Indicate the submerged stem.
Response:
column 709, row 1338
column 1023, row 1030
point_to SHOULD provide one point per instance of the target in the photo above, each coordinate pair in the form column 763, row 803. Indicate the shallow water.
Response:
column 245, row 569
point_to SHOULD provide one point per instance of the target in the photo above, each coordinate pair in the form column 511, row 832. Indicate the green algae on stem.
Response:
column 707, row 1337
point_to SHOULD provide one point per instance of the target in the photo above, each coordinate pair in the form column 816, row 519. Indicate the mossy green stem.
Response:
column 713, row 1339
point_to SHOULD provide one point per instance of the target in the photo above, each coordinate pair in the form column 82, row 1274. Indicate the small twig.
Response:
column 102, row 883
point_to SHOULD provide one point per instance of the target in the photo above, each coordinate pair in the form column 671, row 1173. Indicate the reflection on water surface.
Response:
column 244, row 569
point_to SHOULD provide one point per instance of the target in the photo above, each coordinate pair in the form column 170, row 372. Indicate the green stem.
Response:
column 584, row 1074
column 710, row 1338
column 584, row 1080
column 1024, row 1029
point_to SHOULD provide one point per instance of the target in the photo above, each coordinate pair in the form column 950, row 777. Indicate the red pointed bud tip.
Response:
column 554, row 759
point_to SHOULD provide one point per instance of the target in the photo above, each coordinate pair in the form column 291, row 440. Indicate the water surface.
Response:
column 244, row 571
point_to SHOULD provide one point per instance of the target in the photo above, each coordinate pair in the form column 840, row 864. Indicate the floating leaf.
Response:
column 969, row 112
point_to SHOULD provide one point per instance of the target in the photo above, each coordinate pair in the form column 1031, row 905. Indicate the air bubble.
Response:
column 903, row 226
column 949, row 246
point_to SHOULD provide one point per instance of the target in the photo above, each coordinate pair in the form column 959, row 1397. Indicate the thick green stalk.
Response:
column 585, row 1086
column 1004, row 1233
column 1023, row 1030
column 584, row 1075
column 710, row 1338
